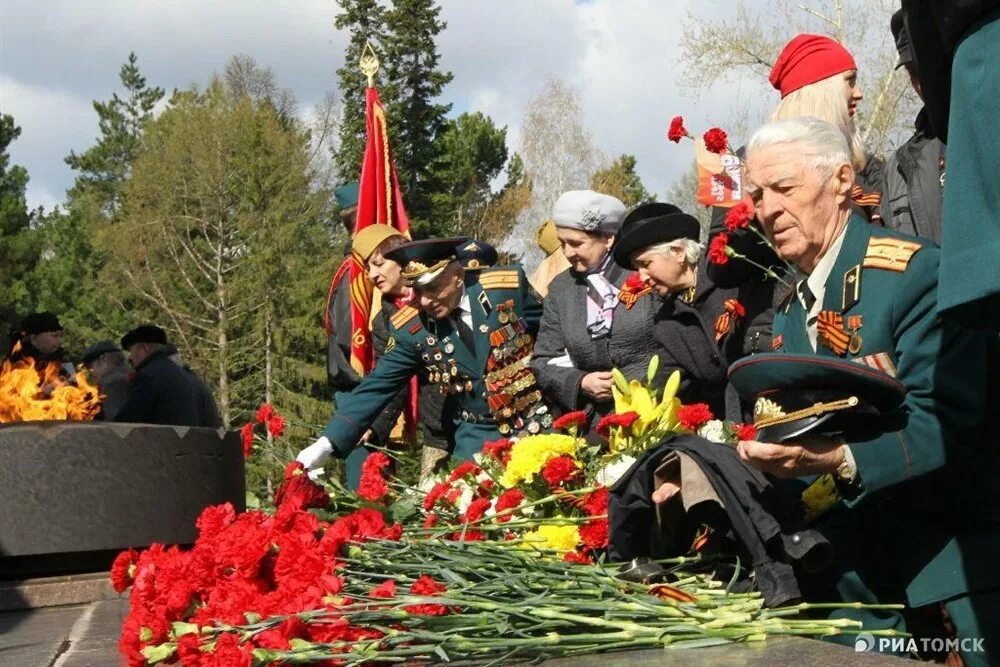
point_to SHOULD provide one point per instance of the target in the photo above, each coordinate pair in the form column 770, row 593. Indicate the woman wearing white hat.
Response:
column 590, row 324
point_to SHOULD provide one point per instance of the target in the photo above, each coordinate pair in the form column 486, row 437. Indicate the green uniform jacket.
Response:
column 919, row 505
column 416, row 341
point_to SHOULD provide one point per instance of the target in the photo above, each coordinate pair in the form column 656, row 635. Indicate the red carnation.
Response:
column 718, row 249
column 635, row 283
column 596, row 502
column 463, row 469
column 246, row 434
column 372, row 486
column 431, row 520
column 477, row 508
column 426, row 585
column 576, row 419
column 508, row 500
column 496, row 449
column 624, row 420
column 745, row 431
column 123, row 570
column 436, row 493
column 276, row 425
column 387, row 589
column 264, row 412
column 739, row 216
column 580, row 557
column 594, row 533
column 677, row 131
column 716, row 141
column 693, row 416
column 560, row 470
column 298, row 490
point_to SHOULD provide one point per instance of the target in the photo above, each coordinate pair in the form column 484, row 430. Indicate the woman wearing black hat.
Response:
column 699, row 327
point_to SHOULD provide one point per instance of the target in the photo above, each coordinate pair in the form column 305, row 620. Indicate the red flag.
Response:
column 379, row 203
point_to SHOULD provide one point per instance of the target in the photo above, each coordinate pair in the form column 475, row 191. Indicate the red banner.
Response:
column 379, row 203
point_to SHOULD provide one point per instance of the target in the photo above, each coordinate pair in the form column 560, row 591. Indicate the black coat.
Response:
column 161, row 392
column 114, row 390
column 208, row 412
column 685, row 335
column 913, row 184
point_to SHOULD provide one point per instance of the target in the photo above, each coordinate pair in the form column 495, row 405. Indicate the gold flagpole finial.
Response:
column 369, row 63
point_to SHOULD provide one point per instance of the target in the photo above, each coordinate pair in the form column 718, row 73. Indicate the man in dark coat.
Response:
column 914, row 175
column 160, row 391
column 208, row 412
column 106, row 364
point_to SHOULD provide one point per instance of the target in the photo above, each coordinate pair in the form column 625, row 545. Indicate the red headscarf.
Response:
column 808, row 59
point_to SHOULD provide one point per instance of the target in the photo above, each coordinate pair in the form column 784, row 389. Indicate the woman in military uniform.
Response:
column 592, row 321
column 699, row 328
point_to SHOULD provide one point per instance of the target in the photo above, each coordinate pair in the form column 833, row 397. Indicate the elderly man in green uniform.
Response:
column 916, row 521
column 472, row 340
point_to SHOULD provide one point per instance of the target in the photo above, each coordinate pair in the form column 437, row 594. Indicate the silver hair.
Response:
column 692, row 249
column 821, row 145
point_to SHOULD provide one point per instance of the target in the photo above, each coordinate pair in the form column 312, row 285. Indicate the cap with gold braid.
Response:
column 423, row 261
column 795, row 394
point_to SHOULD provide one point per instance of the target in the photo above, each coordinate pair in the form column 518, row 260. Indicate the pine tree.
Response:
column 365, row 20
column 416, row 120
column 104, row 166
column 18, row 250
column 619, row 179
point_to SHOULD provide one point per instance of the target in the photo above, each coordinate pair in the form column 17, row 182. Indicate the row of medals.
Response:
column 512, row 393
column 442, row 369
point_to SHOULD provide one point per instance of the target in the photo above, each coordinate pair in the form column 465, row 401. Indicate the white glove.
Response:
column 315, row 453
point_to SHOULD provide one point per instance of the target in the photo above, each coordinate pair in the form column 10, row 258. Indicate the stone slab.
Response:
column 56, row 591
column 86, row 487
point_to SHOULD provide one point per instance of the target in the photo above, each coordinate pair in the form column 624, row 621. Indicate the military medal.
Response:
column 483, row 328
column 449, row 348
column 853, row 324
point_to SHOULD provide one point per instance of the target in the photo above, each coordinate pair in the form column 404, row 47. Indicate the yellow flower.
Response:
column 653, row 414
column 529, row 455
column 558, row 538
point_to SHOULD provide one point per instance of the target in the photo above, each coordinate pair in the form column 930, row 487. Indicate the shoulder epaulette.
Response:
column 888, row 253
column 500, row 279
column 402, row 316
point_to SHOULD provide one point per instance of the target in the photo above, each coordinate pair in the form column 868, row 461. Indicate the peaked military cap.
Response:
column 652, row 223
column 423, row 261
column 145, row 333
column 795, row 394
column 474, row 255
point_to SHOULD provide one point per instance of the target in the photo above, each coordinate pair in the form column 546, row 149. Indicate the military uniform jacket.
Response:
column 918, row 505
column 419, row 343
column 563, row 330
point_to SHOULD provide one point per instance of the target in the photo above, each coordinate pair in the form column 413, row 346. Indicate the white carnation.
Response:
column 612, row 472
column 714, row 431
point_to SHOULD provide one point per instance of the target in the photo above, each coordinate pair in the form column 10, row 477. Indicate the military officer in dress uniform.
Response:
column 917, row 519
column 473, row 341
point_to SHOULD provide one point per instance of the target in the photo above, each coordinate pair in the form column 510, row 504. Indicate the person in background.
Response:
column 555, row 261
column 475, row 255
column 913, row 183
column 160, row 391
column 698, row 328
column 209, row 413
column 590, row 325
column 40, row 336
column 107, row 367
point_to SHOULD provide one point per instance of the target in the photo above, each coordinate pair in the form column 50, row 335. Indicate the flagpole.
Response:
column 369, row 63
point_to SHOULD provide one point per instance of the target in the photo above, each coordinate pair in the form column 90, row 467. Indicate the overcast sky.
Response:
column 56, row 56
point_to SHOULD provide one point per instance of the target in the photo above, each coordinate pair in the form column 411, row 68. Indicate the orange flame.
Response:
column 27, row 394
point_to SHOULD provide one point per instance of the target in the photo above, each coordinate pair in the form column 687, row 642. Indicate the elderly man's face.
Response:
column 799, row 210
column 443, row 294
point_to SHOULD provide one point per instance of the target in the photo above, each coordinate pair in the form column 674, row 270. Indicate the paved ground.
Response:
column 86, row 635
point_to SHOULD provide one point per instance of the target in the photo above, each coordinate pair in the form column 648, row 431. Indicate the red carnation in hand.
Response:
column 577, row 419
column 745, row 431
column 276, row 426
column 560, row 470
column 739, row 216
column 123, row 570
column 693, row 416
column 508, row 500
column 372, row 486
column 677, row 131
column 497, row 449
column 264, row 412
column 624, row 420
column 594, row 534
column 246, row 435
column 718, row 249
column 716, row 141
column 298, row 490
